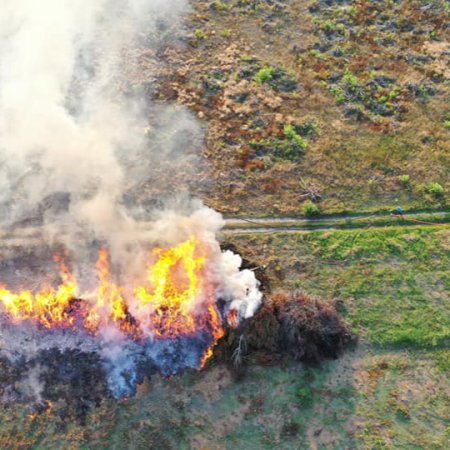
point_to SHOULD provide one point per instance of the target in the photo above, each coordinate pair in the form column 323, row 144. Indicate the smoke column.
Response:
column 84, row 157
column 68, row 124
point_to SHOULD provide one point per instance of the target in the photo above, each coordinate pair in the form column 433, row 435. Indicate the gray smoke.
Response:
column 87, row 157
column 71, row 132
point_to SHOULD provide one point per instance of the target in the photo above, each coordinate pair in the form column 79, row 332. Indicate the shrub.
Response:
column 280, row 148
column 265, row 74
column 307, row 128
column 338, row 93
column 350, row 80
column 295, row 138
column 305, row 395
column 220, row 6
column 405, row 180
column 226, row 33
column 277, row 78
column 200, row 34
column 310, row 209
column 435, row 189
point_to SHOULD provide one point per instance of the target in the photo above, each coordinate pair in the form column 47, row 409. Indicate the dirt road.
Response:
column 296, row 225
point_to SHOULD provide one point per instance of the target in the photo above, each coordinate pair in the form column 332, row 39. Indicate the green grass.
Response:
column 392, row 285
column 394, row 281
column 391, row 392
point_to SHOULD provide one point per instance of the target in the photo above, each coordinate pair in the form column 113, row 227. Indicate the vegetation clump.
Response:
column 310, row 209
column 277, row 78
column 220, row 6
column 377, row 96
column 295, row 324
column 200, row 34
column 447, row 121
column 297, row 141
column 435, row 189
column 292, row 146
column 282, row 149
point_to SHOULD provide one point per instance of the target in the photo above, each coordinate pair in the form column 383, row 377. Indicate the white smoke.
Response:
column 78, row 148
column 66, row 124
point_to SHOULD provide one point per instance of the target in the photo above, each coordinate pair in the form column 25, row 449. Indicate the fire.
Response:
column 109, row 304
column 233, row 318
column 218, row 332
column 176, row 299
column 175, row 287
column 49, row 307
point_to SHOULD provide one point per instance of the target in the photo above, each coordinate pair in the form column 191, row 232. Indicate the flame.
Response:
column 49, row 307
column 110, row 304
column 233, row 318
column 175, row 281
column 218, row 332
column 49, row 407
column 175, row 300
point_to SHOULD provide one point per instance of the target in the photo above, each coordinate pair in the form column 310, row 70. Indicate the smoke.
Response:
column 90, row 159
column 70, row 127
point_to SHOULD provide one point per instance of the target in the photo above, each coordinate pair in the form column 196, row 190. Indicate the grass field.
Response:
column 392, row 391
column 320, row 107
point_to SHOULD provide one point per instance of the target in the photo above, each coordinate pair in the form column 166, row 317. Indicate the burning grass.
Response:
column 167, row 305
column 372, row 397
column 105, row 345
column 117, row 335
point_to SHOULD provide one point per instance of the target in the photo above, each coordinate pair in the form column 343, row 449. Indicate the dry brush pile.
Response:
column 290, row 325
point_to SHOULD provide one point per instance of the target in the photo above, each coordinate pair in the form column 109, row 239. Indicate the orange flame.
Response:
column 233, row 318
column 175, row 283
column 176, row 300
column 109, row 304
column 49, row 307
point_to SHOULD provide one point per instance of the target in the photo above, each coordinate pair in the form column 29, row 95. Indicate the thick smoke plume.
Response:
column 87, row 158
column 72, row 134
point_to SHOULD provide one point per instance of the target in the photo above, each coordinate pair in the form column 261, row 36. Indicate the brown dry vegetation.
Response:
column 372, row 77
column 289, row 326
column 295, row 324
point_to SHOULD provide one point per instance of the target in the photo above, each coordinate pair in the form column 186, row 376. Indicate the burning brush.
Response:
column 76, row 163
column 166, row 323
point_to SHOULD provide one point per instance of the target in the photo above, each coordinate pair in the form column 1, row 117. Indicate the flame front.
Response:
column 110, row 304
column 174, row 288
column 50, row 307
column 176, row 299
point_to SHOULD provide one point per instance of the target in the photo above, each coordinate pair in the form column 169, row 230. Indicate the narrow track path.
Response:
column 29, row 237
column 296, row 224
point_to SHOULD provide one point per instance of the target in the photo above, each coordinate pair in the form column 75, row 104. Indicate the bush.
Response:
column 305, row 395
column 265, row 74
column 220, row 6
column 295, row 138
column 435, row 189
column 310, row 209
column 277, row 78
column 405, row 180
column 307, row 128
column 305, row 328
column 200, row 34
column 281, row 148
